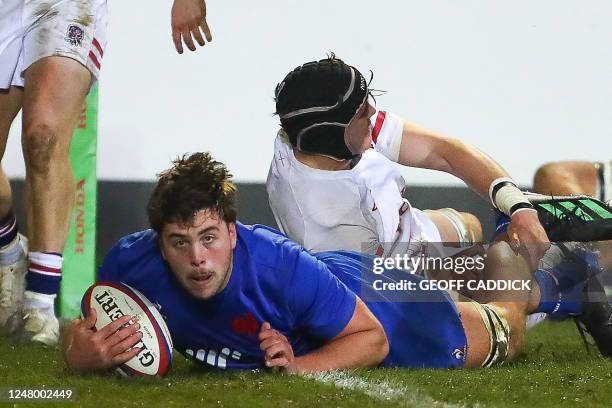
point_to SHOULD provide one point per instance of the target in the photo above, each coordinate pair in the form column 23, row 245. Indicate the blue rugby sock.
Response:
column 561, row 288
column 502, row 221
column 553, row 300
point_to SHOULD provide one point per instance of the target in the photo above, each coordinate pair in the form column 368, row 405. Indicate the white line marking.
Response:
column 381, row 390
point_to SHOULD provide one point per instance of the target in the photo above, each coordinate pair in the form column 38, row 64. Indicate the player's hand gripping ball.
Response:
column 111, row 301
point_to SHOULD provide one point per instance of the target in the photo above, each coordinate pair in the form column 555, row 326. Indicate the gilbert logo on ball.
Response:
column 112, row 300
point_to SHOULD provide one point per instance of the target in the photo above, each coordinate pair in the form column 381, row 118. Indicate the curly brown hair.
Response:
column 194, row 182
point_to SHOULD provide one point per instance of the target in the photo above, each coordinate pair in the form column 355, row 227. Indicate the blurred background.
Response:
column 526, row 82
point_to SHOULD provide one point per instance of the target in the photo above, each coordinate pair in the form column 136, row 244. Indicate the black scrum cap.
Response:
column 315, row 103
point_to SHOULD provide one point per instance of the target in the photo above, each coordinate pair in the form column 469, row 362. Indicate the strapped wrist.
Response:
column 507, row 197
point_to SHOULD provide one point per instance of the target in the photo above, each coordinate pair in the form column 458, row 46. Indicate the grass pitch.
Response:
column 555, row 371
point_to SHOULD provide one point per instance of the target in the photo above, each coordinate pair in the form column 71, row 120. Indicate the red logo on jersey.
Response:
column 246, row 325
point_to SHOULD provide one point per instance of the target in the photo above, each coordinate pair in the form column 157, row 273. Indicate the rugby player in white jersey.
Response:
column 333, row 183
column 50, row 54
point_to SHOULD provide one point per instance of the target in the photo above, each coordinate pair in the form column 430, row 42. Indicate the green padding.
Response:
column 598, row 209
column 551, row 209
column 79, row 270
column 576, row 210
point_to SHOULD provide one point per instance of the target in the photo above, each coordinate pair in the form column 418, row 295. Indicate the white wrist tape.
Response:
column 507, row 197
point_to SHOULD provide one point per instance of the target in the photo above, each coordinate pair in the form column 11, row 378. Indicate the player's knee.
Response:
column 500, row 255
column 548, row 176
column 504, row 260
column 517, row 341
column 40, row 142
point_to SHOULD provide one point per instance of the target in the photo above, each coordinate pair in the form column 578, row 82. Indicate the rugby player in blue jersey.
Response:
column 245, row 297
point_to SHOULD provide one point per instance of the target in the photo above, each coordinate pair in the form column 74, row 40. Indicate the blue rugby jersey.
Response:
column 273, row 279
column 309, row 299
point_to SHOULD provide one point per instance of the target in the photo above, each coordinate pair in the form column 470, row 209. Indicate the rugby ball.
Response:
column 111, row 300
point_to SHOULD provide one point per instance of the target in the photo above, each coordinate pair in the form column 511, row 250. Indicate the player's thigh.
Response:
column 62, row 53
column 565, row 178
column 445, row 227
column 11, row 45
column 10, row 104
column 54, row 95
column 455, row 226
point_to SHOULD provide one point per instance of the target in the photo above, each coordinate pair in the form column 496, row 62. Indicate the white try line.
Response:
column 380, row 390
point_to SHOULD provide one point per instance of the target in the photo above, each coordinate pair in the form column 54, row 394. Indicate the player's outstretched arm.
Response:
column 87, row 350
column 362, row 343
column 188, row 23
column 424, row 148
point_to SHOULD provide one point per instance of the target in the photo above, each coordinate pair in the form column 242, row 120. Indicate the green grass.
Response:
column 555, row 371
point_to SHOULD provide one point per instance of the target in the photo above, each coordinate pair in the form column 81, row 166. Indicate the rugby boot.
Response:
column 596, row 314
column 39, row 323
column 12, row 287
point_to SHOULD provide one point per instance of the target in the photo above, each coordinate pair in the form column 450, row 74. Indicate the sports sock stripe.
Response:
column 8, row 229
column 45, row 272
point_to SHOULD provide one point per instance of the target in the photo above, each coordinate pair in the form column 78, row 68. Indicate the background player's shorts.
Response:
column 422, row 324
column 35, row 29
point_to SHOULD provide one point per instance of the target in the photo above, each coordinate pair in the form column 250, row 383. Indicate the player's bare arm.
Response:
column 425, row 148
column 362, row 343
column 87, row 350
column 189, row 23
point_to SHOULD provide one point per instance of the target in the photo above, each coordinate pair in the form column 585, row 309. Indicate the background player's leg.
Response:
column 55, row 90
column 12, row 252
column 566, row 178
column 10, row 104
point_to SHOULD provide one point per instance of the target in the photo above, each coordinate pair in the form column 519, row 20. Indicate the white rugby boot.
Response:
column 12, row 285
column 39, row 322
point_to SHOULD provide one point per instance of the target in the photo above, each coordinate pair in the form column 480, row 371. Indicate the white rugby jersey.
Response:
column 361, row 209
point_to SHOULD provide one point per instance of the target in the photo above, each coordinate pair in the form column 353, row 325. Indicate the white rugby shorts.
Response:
column 34, row 29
